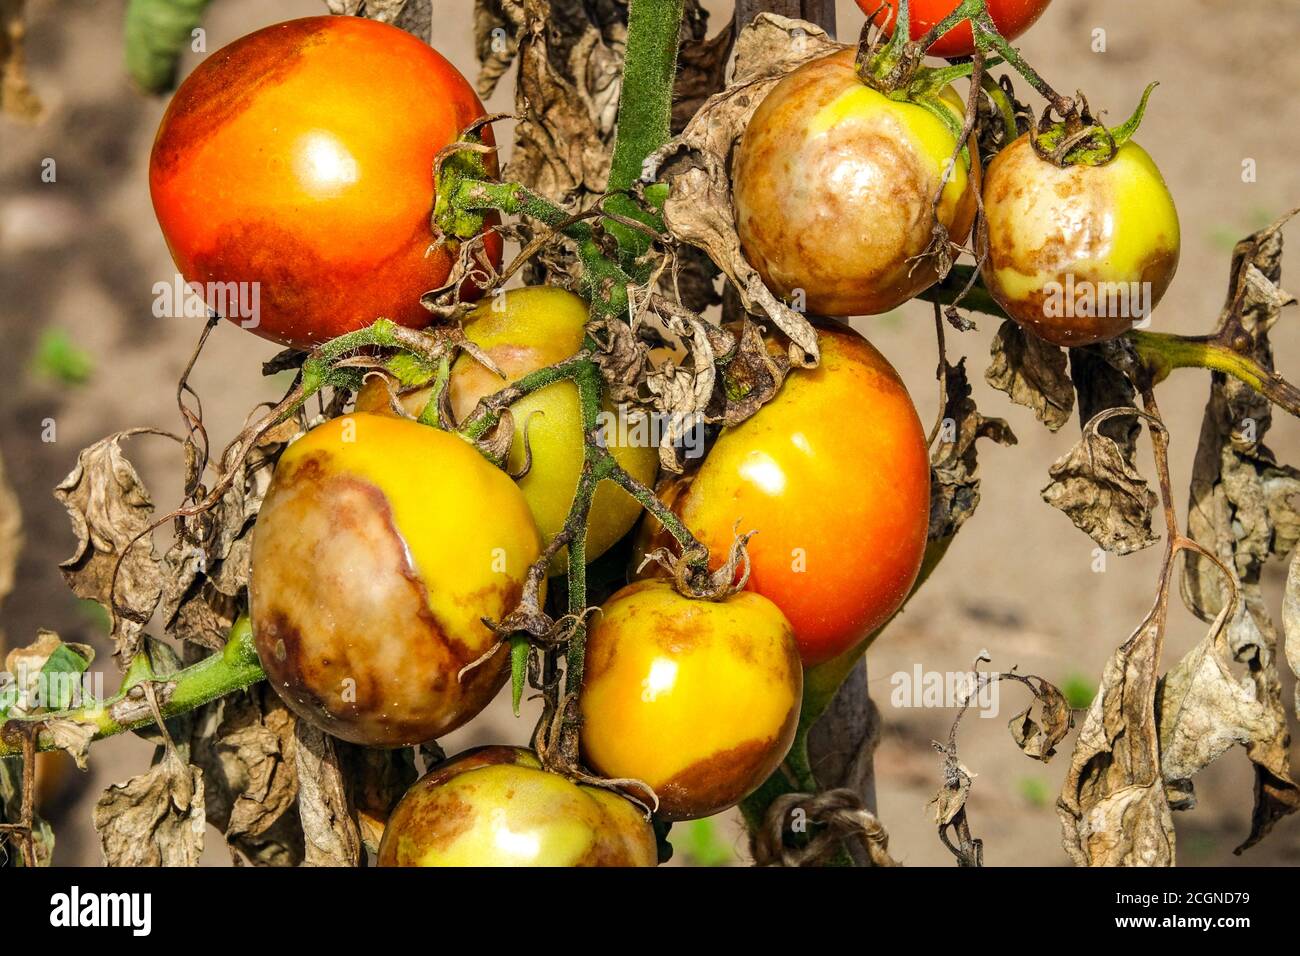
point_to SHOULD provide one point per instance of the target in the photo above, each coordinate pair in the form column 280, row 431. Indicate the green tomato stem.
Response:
column 234, row 668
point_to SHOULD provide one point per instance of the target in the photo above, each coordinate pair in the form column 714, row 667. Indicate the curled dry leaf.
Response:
column 954, row 464
column 696, row 165
column 1100, row 490
column 206, row 570
column 154, row 819
column 114, row 563
column 1033, row 373
column 331, row 835
column 1242, row 510
column 245, row 745
column 1113, row 806
column 16, row 97
column 1038, row 738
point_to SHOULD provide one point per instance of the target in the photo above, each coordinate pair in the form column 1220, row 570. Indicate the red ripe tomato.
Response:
column 300, row 158
column 834, row 475
column 1012, row 18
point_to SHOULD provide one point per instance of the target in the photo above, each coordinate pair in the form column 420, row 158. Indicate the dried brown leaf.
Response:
column 1113, row 806
column 111, row 512
column 954, row 463
column 1038, row 738
column 1033, row 373
column 1242, row 509
column 154, row 819
column 1102, row 492
column 332, row 837
column 245, row 745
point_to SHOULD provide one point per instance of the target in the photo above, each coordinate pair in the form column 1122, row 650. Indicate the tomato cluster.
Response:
column 385, row 548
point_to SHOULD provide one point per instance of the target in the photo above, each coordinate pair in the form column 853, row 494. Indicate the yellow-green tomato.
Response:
column 698, row 699
column 1078, row 254
column 496, row 806
column 381, row 546
column 834, row 188
column 521, row 331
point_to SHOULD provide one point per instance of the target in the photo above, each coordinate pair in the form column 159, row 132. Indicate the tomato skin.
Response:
column 522, row 331
column 380, row 546
column 698, row 699
column 1012, row 18
column 1056, row 234
column 300, row 158
column 834, row 185
column 495, row 806
column 834, row 475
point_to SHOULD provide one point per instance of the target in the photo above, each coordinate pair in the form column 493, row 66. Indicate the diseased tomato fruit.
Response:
column 698, row 699
column 522, row 331
column 1011, row 17
column 495, row 806
column 834, row 475
column 380, row 547
column 297, row 162
column 834, row 188
column 1079, row 254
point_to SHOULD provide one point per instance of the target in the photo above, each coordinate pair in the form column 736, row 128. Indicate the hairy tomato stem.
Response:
column 234, row 668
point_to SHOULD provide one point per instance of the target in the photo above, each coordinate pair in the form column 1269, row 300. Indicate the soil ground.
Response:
column 81, row 255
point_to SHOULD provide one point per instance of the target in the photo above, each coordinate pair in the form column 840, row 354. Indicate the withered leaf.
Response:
column 11, row 815
column 154, row 819
column 245, row 744
column 954, row 464
column 1101, row 491
column 1038, row 738
column 1205, row 708
column 111, row 512
column 207, row 567
column 1113, row 806
column 1243, row 510
column 1033, row 373
column 332, row 837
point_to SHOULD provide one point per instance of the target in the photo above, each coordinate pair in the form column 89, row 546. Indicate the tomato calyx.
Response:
column 1079, row 139
column 690, row 572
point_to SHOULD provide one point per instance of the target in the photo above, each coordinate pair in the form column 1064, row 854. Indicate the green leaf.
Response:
column 157, row 33
column 57, row 357
column 66, row 662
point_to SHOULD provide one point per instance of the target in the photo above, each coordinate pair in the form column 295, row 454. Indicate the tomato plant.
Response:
column 1012, row 18
column 820, row 489
column 522, row 331
column 296, row 164
column 1078, row 254
column 698, row 699
column 496, row 806
column 381, row 546
column 835, row 185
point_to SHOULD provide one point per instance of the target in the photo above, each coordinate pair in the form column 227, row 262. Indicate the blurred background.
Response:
column 79, row 257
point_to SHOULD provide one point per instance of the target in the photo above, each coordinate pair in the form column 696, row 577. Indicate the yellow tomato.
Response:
column 1080, row 254
column 699, row 699
column 522, row 331
column 381, row 546
column 835, row 184
column 495, row 806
